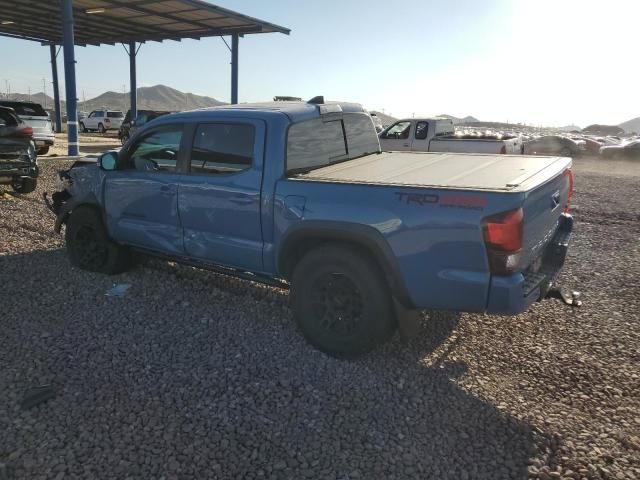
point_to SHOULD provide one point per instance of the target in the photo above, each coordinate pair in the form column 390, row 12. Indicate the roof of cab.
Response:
column 296, row 111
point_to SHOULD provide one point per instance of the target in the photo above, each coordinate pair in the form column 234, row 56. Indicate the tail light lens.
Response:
column 503, row 239
column 569, row 174
column 503, row 150
column 25, row 132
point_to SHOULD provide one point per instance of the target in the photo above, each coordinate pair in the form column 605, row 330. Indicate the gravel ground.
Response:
column 192, row 375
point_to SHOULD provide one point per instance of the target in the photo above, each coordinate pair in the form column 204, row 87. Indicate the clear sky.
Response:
column 551, row 62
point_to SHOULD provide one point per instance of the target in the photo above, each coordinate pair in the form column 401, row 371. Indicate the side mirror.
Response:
column 108, row 161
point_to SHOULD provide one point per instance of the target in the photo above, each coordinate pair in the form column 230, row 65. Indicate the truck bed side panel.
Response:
column 435, row 235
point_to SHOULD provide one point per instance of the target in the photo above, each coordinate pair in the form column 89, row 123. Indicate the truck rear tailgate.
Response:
column 543, row 207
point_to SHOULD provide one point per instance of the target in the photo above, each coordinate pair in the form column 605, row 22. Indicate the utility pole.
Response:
column 29, row 94
column 44, row 93
column 6, row 83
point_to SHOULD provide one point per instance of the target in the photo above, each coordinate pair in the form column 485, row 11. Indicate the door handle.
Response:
column 405, row 144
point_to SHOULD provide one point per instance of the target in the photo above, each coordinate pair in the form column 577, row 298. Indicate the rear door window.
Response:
column 7, row 120
column 115, row 114
column 222, row 148
column 422, row 129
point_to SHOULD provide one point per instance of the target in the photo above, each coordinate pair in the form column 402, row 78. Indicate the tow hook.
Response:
column 571, row 298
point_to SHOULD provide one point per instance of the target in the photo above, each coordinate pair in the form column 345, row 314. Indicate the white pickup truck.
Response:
column 438, row 135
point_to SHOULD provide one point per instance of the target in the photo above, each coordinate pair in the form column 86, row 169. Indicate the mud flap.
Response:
column 408, row 321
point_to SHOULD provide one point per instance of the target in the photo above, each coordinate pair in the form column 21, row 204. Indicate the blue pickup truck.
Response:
column 300, row 195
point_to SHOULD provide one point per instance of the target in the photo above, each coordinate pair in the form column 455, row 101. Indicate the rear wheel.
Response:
column 341, row 301
column 101, row 128
column 88, row 245
column 565, row 152
column 124, row 139
column 43, row 150
column 24, row 185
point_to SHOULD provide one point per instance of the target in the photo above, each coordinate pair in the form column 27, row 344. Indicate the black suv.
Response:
column 18, row 166
column 128, row 127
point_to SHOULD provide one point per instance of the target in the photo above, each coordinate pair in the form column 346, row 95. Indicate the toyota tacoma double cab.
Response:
column 299, row 194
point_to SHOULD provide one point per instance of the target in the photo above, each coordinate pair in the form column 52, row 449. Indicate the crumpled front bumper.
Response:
column 513, row 294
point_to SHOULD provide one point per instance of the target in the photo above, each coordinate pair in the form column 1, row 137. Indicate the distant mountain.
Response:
column 570, row 128
column 631, row 126
column 603, row 130
column 457, row 120
column 158, row 97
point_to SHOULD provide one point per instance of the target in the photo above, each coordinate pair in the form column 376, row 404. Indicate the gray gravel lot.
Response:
column 193, row 375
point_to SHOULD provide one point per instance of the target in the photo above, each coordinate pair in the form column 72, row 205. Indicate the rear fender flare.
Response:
column 335, row 231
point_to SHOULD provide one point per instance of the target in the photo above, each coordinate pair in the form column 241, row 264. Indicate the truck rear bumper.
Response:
column 513, row 294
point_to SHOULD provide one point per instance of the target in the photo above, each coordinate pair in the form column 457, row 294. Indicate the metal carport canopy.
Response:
column 96, row 22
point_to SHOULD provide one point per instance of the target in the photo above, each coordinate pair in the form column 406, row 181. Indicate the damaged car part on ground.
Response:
column 220, row 190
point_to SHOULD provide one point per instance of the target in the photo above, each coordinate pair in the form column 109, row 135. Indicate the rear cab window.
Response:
column 222, row 148
column 320, row 142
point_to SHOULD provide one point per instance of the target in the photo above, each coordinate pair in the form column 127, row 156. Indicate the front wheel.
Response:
column 88, row 245
column 124, row 139
column 341, row 301
column 43, row 150
column 83, row 129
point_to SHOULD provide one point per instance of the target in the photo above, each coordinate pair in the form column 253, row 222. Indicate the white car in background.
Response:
column 102, row 120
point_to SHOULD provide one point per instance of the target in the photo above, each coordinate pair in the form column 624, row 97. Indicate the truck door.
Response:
column 219, row 197
column 397, row 137
column 420, row 141
column 141, row 197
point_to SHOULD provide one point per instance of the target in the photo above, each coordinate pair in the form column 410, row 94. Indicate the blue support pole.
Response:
column 70, row 76
column 132, row 80
column 235, row 38
column 56, row 89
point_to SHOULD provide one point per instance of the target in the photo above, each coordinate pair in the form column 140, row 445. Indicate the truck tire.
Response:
column 83, row 129
column 341, row 301
column 88, row 245
column 25, row 185
column 43, row 150
column 101, row 128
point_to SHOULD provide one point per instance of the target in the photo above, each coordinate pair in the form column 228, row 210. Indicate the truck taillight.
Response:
column 503, row 150
column 503, row 239
column 569, row 173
